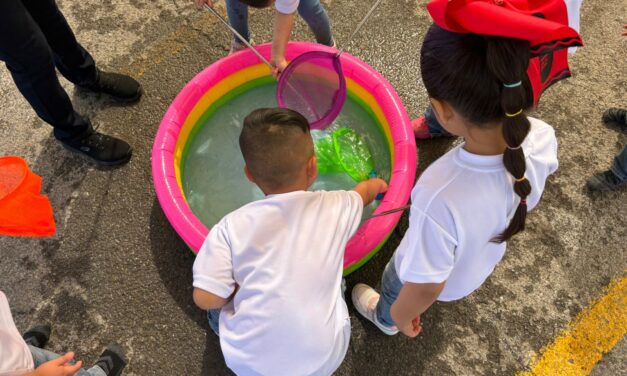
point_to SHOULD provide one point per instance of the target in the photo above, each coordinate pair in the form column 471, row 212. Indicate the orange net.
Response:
column 23, row 210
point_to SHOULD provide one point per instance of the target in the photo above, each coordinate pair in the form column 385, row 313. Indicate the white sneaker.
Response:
column 365, row 300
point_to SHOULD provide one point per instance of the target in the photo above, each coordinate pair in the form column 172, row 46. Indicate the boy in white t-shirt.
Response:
column 25, row 356
column 468, row 203
column 274, row 266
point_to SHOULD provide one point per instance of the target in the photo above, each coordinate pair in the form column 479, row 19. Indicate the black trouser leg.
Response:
column 25, row 50
column 71, row 59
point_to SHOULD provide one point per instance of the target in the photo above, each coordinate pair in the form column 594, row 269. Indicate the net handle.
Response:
column 363, row 21
column 389, row 212
column 239, row 36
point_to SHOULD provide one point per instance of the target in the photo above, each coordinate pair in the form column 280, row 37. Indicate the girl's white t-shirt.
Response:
column 15, row 357
column 283, row 258
column 459, row 204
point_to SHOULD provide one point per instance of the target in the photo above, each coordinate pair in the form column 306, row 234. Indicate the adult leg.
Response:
column 70, row 57
column 316, row 17
column 25, row 51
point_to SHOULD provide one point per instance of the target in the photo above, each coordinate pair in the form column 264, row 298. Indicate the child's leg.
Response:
column 213, row 316
column 316, row 17
column 390, row 288
column 238, row 18
column 41, row 356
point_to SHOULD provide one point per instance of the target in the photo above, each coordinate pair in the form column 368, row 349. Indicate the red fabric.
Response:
column 23, row 210
column 544, row 23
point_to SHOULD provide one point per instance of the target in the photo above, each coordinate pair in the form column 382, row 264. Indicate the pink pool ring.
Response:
column 236, row 72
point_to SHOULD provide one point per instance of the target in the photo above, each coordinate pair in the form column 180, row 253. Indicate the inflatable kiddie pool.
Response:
column 215, row 87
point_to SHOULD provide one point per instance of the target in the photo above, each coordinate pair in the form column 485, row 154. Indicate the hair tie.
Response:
column 520, row 180
column 514, row 148
column 523, row 201
column 511, row 86
column 515, row 114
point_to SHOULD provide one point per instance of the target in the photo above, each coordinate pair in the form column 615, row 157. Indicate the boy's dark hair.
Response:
column 469, row 72
column 257, row 3
column 276, row 144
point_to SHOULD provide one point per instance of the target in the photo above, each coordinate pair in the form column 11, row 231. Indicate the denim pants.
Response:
column 619, row 167
column 390, row 288
column 41, row 356
column 213, row 315
column 310, row 10
column 435, row 129
column 34, row 39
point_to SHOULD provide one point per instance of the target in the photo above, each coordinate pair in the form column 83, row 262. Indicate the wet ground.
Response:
column 117, row 271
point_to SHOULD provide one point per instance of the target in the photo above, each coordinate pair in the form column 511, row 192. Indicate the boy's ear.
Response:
column 312, row 169
column 443, row 111
column 248, row 174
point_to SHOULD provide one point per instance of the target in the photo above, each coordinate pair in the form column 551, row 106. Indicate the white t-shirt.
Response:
column 15, row 357
column 286, row 6
column 285, row 252
column 459, row 204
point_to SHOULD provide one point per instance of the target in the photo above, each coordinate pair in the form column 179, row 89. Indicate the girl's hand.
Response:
column 412, row 328
column 58, row 367
column 279, row 65
column 199, row 3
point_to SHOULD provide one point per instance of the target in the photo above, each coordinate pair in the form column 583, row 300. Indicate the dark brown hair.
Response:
column 276, row 144
column 469, row 71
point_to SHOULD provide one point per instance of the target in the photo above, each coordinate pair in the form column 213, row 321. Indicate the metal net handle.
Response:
column 239, row 36
column 363, row 21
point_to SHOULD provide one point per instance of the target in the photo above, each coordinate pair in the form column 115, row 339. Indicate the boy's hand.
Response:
column 412, row 329
column 369, row 189
column 58, row 367
column 199, row 3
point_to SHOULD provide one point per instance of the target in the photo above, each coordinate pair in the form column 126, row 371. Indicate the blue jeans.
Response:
column 435, row 129
column 310, row 10
column 41, row 356
column 390, row 288
column 213, row 315
column 619, row 167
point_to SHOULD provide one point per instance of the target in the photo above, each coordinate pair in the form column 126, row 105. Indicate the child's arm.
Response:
column 283, row 24
column 58, row 367
column 206, row 300
column 412, row 301
column 369, row 189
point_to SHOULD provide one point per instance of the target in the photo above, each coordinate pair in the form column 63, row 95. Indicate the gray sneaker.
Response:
column 605, row 181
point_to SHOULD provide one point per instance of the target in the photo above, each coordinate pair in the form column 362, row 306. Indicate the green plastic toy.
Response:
column 344, row 150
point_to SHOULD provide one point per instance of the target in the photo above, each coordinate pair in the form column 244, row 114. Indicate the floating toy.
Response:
column 344, row 150
column 213, row 88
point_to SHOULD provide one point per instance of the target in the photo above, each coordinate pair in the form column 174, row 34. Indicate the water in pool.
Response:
column 213, row 175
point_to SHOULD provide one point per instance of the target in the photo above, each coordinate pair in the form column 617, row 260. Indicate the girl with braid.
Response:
column 472, row 200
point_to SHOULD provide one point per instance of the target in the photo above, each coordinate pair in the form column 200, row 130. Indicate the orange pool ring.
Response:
column 23, row 210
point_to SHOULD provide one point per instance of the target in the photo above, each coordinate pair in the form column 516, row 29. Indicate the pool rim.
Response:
column 372, row 234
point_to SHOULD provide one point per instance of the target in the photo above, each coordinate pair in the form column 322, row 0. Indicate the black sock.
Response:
column 37, row 336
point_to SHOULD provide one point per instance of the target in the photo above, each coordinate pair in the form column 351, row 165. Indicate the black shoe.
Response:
column 37, row 336
column 604, row 182
column 112, row 361
column 101, row 149
column 616, row 117
column 121, row 87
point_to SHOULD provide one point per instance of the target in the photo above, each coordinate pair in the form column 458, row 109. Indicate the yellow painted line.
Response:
column 593, row 333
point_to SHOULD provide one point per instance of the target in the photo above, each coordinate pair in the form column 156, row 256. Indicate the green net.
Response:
column 343, row 150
